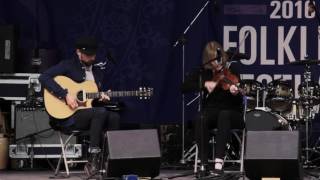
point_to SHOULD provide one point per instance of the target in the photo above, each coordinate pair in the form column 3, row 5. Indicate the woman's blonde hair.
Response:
column 210, row 53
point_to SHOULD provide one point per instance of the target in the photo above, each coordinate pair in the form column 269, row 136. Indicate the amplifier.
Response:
column 32, row 127
column 24, row 151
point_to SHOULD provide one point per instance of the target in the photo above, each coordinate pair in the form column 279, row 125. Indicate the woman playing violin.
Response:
column 222, row 103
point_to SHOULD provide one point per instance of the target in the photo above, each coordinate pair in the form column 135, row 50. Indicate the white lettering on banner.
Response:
column 284, row 50
column 264, row 49
column 227, row 43
column 283, row 44
column 277, row 43
column 264, row 77
column 303, row 43
column 253, row 36
column 270, row 77
column 294, row 79
column 282, row 77
column 287, row 10
column 247, row 76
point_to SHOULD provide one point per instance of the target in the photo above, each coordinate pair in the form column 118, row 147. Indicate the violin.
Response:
column 225, row 78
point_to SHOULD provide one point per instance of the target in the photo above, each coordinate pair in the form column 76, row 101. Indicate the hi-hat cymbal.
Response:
column 305, row 62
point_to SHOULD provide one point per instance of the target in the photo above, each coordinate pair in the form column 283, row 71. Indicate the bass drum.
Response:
column 258, row 120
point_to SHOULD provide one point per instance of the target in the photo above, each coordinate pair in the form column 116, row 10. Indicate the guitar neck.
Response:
column 113, row 94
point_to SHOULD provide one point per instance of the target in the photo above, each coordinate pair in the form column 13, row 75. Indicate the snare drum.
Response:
column 258, row 120
column 279, row 95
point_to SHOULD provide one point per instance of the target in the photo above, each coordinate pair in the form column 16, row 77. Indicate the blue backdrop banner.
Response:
column 140, row 35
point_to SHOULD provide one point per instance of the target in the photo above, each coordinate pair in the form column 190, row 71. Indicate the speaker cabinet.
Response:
column 273, row 154
column 133, row 152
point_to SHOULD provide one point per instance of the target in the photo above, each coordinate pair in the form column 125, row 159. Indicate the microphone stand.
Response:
column 203, row 130
column 202, row 152
column 182, row 40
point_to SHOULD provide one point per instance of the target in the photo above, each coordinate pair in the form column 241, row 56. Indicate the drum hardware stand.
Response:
column 307, row 96
column 264, row 97
column 307, row 77
column 308, row 149
column 182, row 40
column 257, row 97
column 315, row 149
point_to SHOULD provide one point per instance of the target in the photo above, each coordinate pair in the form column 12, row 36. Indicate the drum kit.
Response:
column 274, row 107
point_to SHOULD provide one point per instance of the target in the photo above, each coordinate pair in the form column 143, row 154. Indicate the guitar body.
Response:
column 58, row 108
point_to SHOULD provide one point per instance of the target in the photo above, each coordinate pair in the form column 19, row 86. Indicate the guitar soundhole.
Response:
column 80, row 95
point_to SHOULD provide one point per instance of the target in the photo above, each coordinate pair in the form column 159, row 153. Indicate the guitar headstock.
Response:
column 145, row 92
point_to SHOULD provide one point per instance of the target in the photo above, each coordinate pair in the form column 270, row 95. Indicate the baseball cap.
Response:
column 87, row 45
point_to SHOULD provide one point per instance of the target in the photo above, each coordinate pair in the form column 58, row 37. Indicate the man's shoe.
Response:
column 91, row 168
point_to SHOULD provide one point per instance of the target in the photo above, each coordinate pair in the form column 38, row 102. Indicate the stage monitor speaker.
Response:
column 133, row 152
column 7, row 48
column 273, row 154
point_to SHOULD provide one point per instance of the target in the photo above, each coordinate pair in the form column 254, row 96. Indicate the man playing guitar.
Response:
column 94, row 119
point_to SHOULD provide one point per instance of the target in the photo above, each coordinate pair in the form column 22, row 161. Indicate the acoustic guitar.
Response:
column 85, row 92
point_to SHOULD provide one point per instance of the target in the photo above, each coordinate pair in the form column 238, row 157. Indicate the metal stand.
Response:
column 307, row 98
column 181, row 40
column 306, row 94
column 203, row 162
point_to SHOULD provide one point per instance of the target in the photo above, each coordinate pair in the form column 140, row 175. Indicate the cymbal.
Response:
column 305, row 62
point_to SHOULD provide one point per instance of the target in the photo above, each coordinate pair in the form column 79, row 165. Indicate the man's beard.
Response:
column 88, row 63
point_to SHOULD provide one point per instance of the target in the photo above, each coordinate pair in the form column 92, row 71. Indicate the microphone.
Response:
column 311, row 7
column 219, row 55
column 236, row 55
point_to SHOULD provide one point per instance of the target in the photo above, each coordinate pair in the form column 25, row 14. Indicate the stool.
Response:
column 236, row 133
column 240, row 140
column 64, row 145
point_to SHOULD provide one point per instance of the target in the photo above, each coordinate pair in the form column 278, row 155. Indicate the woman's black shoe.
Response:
column 217, row 172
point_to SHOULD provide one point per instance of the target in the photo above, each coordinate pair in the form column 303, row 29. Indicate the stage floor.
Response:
column 165, row 174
